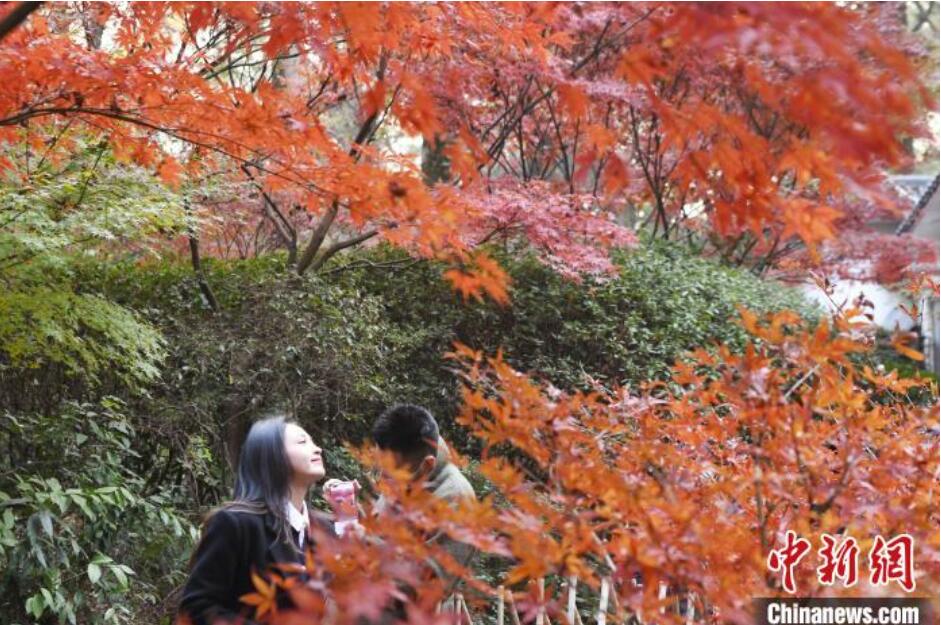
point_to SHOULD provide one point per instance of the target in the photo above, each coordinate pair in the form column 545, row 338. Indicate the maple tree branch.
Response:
column 172, row 132
column 15, row 259
column 797, row 384
column 574, row 153
column 283, row 227
column 747, row 250
column 562, row 147
column 52, row 143
column 644, row 159
column 235, row 64
column 384, row 115
column 320, row 91
column 497, row 145
column 392, row 264
column 16, row 215
column 729, row 250
column 320, row 232
column 16, row 17
column 810, row 483
column 599, row 45
column 94, row 167
column 317, row 238
column 339, row 246
column 827, row 503
column 522, row 149
column 763, row 263
column 604, row 159
column 924, row 15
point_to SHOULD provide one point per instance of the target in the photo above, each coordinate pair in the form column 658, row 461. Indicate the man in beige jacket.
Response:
column 411, row 434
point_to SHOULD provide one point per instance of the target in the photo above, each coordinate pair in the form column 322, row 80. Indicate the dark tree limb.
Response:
column 324, row 256
column 193, row 237
column 323, row 226
column 316, row 239
column 285, row 230
column 16, row 17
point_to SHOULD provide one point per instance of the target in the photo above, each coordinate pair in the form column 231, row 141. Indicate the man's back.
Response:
column 448, row 483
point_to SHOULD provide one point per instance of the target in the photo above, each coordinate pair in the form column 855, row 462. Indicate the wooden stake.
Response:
column 541, row 596
column 615, row 602
column 513, row 613
column 500, row 600
column 662, row 595
column 470, row 621
column 570, row 608
column 603, row 602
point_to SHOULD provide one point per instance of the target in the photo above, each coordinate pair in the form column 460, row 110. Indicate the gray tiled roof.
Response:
column 924, row 187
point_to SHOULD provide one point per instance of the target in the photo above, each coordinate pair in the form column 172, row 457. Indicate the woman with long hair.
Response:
column 266, row 523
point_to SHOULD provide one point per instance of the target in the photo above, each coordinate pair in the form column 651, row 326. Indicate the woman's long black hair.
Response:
column 264, row 473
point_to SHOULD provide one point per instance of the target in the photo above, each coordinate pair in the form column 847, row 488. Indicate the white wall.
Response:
column 886, row 311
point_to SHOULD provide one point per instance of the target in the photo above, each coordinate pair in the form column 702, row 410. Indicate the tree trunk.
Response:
column 435, row 166
column 208, row 296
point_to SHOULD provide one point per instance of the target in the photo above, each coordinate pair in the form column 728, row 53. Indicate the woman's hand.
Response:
column 334, row 482
column 331, row 484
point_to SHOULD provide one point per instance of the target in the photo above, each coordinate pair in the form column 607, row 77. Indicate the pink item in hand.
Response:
column 342, row 498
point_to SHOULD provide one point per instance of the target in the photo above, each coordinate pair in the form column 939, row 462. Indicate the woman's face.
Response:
column 303, row 455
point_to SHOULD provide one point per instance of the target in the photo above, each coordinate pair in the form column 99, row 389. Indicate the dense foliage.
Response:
column 760, row 129
column 336, row 348
column 333, row 349
column 85, row 537
column 545, row 160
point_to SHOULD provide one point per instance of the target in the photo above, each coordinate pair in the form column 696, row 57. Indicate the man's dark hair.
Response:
column 408, row 430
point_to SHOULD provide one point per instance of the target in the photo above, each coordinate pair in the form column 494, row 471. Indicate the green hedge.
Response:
column 338, row 347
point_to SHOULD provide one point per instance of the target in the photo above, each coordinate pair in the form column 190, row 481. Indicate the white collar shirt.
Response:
column 298, row 520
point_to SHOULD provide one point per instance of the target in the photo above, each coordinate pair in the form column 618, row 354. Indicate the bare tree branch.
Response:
column 16, row 17
column 341, row 245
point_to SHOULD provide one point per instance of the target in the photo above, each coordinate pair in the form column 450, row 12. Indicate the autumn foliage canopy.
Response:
column 763, row 130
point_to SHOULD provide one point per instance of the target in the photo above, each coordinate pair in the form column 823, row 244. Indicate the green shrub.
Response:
column 66, row 212
column 83, row 539
column 336, row 348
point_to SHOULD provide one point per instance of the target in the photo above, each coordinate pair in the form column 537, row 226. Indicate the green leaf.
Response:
column 60, row 500
column 94, row 572
column 35, row 606
column 45, row 518
column 83, row 504
column 120, row 574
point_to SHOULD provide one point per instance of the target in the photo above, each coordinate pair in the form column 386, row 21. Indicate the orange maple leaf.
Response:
column 482, row 276
column 899, row 342
column 265, row 597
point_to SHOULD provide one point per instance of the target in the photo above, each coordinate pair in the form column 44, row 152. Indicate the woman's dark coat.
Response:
column 235, row 543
